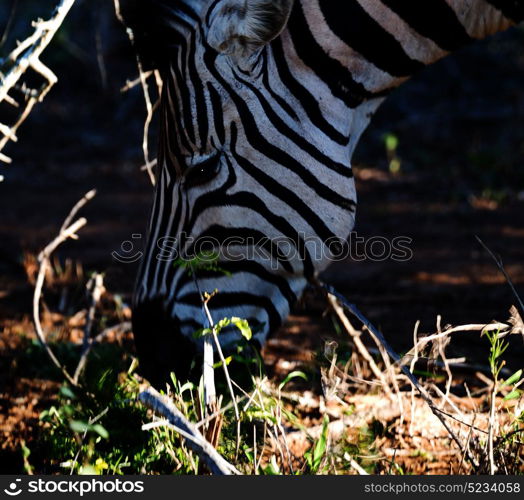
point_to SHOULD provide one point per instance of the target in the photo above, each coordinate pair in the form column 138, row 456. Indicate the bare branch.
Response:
column 67, row 231
column 26, row 56
column 77, row 207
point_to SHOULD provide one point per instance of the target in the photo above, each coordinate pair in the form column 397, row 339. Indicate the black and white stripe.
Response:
column 258, row 126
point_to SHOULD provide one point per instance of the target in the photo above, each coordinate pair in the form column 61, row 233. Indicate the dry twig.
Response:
column 355, row 336
column 68, row 230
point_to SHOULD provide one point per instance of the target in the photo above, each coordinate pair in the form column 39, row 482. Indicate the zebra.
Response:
column 262, row 107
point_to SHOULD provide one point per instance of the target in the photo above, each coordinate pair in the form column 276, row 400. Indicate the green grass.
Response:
column 98, row 429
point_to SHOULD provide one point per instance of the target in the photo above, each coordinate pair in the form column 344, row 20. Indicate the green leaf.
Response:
column 101, row 431
column 321, row 445
column 222, row 324
column 272, row 469
column 205, row 261
column 78, row 426
column 188, row 386
column 261, row 415
column 87, row 470
column 68, row 410
column 219, row 363
column 394, row 166
column 202, row 333
column 25, row 450
column 291, row 376
column 513, row 395
column 81, row 427
column 243, row 326
column 66, row 392
column 513, row 379
column 391, row 141
column 240, row 323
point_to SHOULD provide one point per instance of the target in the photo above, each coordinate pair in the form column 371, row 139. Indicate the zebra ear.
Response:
column 240, row 27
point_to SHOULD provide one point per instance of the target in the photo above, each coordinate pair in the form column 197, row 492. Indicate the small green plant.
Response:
column 272, row 468
column 206, row 260
column 391, row 144
column 99, row 432
column 497, row 348
column 240, row 323
column 500, row 448
column 316, row 456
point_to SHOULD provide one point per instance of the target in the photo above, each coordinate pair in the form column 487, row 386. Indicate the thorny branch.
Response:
column 25, row 56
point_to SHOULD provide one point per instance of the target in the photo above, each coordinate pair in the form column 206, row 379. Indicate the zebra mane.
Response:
column 155, row 25
column 238, row 27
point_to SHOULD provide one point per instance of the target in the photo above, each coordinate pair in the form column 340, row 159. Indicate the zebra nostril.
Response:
column 161, row 348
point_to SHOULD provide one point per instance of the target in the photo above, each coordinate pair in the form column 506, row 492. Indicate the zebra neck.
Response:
column 381, row 43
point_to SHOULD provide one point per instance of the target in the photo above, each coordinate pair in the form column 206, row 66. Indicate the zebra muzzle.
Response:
column 160, row 345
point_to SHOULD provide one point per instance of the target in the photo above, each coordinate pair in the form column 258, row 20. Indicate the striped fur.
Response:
column 257, row 138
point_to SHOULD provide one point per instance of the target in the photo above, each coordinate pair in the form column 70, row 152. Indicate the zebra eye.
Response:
column 203, row 172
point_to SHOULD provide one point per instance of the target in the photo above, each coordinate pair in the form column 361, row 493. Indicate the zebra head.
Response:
column 245, row 173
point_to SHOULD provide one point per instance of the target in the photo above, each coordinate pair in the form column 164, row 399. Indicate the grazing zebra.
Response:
column 262, row 107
